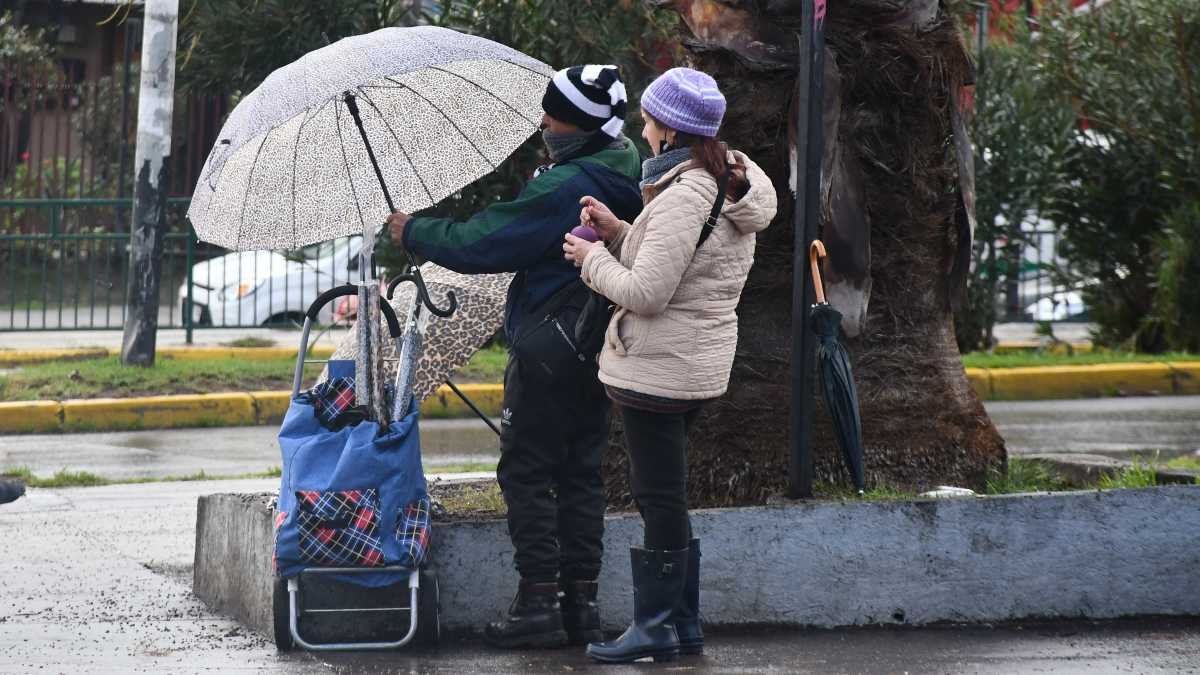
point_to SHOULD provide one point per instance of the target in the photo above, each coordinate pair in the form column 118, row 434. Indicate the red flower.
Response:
column 25, row 156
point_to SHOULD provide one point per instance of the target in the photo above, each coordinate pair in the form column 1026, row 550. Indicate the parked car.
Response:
column 257, row 288
column 1060, row 306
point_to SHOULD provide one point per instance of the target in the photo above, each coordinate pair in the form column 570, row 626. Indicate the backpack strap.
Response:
column 711, row 223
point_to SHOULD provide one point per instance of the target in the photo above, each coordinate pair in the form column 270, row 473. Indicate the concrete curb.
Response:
column 1082, row 554
column 268, row 407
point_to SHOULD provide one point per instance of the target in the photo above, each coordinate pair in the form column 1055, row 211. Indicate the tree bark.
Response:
column 892, row 169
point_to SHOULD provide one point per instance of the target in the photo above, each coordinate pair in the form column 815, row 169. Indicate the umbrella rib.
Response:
column 485, row 90
column 295, row 156
column 337, row 119
column 448, row 119
column 395, row 137
column 249, row 182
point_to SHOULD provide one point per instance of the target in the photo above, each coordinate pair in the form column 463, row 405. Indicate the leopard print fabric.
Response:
column 449, row 343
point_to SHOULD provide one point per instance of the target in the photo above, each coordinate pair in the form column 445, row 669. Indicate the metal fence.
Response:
column 67, row 269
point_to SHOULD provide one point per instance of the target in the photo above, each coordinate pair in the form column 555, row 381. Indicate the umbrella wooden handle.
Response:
column 815, row 252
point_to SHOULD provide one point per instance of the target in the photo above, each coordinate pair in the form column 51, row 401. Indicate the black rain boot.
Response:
column 657, row 586
column 534, row 619
column 687, row 612
column 580, row 612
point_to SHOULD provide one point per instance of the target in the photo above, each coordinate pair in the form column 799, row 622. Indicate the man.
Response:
column 556, row 415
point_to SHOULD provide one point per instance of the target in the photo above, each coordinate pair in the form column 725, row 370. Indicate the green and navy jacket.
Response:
column 525, row 235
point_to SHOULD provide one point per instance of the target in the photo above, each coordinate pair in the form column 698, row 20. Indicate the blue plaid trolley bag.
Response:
column 352, row 524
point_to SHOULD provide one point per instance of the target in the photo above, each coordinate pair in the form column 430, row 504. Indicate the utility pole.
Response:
column 806, row 183
column 156, row 96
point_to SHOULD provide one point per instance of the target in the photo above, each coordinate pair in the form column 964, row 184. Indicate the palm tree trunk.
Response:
column 891, row 169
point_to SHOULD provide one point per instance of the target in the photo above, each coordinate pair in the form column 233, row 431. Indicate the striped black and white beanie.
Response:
column 592, row 98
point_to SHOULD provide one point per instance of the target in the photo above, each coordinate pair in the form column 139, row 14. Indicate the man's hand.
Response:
column 576, row 250
column 396, row 223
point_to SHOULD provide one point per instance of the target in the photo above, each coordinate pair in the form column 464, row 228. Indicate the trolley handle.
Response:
column 414, row 275
column 350, row 289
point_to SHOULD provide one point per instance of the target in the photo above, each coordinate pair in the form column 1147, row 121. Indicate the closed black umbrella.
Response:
column 836, row 379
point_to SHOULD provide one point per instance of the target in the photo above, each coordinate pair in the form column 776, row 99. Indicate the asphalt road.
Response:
column 1118, row 427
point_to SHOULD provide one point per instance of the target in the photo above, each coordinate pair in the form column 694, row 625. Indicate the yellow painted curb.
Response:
column 248, row 353
column 1056, row 382
column 30, row 416
column 18, row 357
column 1187, row 376
column 159, row 412
column 981, row 382
column 444, row 403
column 271, row 406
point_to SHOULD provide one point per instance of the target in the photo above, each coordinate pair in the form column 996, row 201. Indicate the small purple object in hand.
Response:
column 586, row 233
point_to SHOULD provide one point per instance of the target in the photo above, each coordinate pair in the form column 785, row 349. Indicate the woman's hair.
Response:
column 711, row 154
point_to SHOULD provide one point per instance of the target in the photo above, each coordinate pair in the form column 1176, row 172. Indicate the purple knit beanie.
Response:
column 686, row 100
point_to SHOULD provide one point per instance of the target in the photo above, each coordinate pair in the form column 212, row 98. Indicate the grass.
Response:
column 1186, row 463
column 1023, row 475
column 486, row 366
column 1139, row 475
column 1042, row 358
column 64, row 479
column 469, row 500
column 250, row 343
column 105, row 377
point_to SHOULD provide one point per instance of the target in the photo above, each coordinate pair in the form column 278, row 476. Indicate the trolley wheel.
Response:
column 429, row 606
column 281, row 611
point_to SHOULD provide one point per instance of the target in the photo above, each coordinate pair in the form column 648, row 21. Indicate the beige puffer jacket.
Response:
column 674, row 333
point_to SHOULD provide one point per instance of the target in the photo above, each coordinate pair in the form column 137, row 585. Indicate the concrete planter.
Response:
column 1081, row 554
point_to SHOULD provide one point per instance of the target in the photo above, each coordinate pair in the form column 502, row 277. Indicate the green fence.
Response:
column 64, row 266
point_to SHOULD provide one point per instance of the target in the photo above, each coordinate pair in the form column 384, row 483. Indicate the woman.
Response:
column 670, row 345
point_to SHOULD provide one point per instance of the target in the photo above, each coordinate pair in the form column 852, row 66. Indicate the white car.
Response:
column 256, row 288
column 1060, row 306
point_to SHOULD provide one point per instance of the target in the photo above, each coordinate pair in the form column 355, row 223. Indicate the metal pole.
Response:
column 156, row 94
column 806, row 182
column 190, row 261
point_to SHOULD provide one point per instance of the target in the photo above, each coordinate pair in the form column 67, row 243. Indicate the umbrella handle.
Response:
column 414, row 275
column 815, row 252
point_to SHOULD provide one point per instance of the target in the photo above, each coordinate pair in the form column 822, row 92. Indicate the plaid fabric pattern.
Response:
column 340, row 528
column 412, row 531
column 333, row 401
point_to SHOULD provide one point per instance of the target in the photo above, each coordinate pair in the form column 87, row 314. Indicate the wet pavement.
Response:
column 218, row 452
column 98, row 580
column 1118, row 427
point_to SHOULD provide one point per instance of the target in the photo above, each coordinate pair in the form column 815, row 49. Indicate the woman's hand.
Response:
column 600, row 218
column 396, row 223
column 576, row 249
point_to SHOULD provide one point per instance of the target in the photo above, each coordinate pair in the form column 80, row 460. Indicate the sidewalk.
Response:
column 98, row 579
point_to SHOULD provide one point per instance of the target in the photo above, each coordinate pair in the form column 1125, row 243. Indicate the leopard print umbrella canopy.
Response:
column 450, row 342
column 439, row 108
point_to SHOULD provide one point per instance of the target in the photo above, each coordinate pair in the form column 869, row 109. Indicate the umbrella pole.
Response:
column 806, row 183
